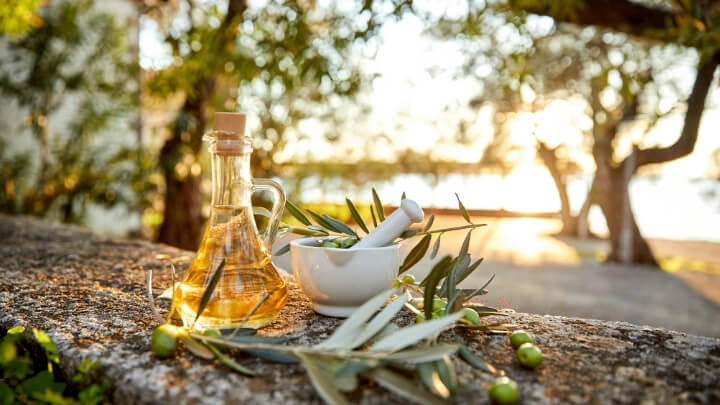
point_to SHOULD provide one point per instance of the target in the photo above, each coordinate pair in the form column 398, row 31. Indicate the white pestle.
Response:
column 393, row 226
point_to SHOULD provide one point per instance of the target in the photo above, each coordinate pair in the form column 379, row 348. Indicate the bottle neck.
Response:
column 231, row 179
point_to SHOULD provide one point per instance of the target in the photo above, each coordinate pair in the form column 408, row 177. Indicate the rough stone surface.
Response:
column 88, row 292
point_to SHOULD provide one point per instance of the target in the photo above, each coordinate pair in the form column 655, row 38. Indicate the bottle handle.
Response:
column 277, row 208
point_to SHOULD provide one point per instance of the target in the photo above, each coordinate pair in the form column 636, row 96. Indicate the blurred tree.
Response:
column 285, row 60
column 536, row 62
column 691, row 23
column 75, row 60
column 17, row 17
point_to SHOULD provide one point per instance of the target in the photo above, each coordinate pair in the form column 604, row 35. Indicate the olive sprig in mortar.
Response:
column 331, row 232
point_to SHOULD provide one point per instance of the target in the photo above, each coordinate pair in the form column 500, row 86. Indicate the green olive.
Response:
column 519, row 337
column 529, row 355
column 163, row 341
column 212, row 333
column 347, row 242
column 471, row 316
column 408, row 279
column 504, row 391
column 420, row 318
column 439, row 304
column 330, row 244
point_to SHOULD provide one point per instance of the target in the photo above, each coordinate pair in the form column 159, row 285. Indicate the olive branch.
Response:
column 335, row 233
column 369, row 345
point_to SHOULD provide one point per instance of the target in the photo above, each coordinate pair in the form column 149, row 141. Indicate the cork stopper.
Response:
column 229, row 122
column 228, row 137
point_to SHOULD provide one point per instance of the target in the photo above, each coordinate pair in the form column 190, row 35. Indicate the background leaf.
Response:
column 462, row 209
column 436, row 246
column 416, row 254
column 339, row 226
column 296, row 212
column 356, row 215
column 378, row 205
column 429, row 223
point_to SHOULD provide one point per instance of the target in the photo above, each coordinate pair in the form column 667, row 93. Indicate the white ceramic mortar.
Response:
column 337, row 281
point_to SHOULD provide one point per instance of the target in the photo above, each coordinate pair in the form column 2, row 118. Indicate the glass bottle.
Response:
column 232, row 235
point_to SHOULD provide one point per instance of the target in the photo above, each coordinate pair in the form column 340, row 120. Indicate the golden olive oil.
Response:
column 247, row 276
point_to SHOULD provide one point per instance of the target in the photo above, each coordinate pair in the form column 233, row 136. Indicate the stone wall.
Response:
column 88, row 293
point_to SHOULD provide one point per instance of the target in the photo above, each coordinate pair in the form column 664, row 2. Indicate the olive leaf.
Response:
column 471, row 357
column 462, row 209
column 447, row 373
column 403, row 386
column 349, row 329
column 197, row 348
column 339, row 226
column 321, row 380
column 431, row 379
column 416, row 254
column 238, row 331
column 466, row 244
column 378, row 205
column 372, row 214
column 320, row 220
column 282, row 250
column 481, row 290
column 436, row 246
column 308, row 231
column 403, row 196
column 424, row 353
column 48, row 346
column 431, row 282
column 470, row 269
column 409, row 233
column 331, row 366
column 379, row 321
column 173, row 303
column 296, row 212
column 415, row 333
column 205, row 299
column 262, row 211
column 356, row 215
column 272, row 355
column 355, row 367
column 449, row 288
column 226, row 360
column 250, row 313
column 429, row 223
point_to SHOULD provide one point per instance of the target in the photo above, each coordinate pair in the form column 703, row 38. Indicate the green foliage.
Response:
column 329, row 226
column 17, row 17
column 78, row 61
column 27, row 379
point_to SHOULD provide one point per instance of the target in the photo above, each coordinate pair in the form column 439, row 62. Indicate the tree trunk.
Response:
column 627, row 244
column 183, row 220
column 571, row 224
